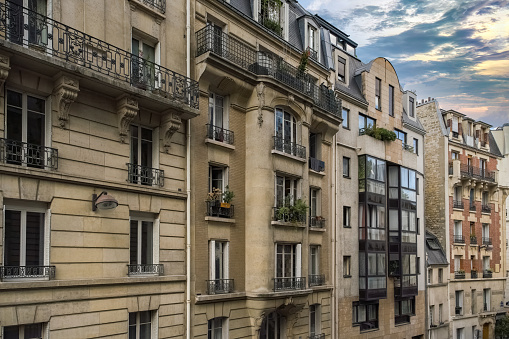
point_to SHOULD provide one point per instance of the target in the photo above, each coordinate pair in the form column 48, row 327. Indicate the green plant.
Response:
column 214, row 195
column 228, row 195
column 304, row 58
column 273, row 25
column 490, row 270
column 380, row 133
column 298, row 209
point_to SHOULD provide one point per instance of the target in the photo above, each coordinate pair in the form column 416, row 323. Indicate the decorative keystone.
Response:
column 127, row 110
column 170, row 124
column 65, row 93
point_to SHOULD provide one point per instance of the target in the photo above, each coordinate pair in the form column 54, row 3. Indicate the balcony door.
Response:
column 141, row 171
column 28, row 25
column 285, row 131
column 143, row 64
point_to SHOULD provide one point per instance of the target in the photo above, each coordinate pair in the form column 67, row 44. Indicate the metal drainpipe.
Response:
column 334, row 186
column 188, row 179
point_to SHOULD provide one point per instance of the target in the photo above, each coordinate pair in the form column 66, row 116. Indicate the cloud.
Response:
column 493, row 68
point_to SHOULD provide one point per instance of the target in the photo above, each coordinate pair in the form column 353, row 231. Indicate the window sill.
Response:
column 219, row 219
column 347, row 128
column 317, row 229
column 220, row 144
column 288, row 224
column 347, row 276
column 154, row 12
column 346, row 177
column 288, row 156
column 322, row 174
column 347, row 226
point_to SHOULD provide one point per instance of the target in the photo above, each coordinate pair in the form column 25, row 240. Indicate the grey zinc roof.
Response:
column 435, row 252
column 415, row 124
column 243, row 5
column 494, row 147
column 354, row 89
column 294, row 35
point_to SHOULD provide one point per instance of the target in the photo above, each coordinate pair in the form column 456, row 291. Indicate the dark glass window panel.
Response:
column 11, row 332
column 14, row 123
column 146, row 245
column 146, row 147
column 34, row 239
column 134, row 245
column 12, row 238
column 33, row 331
column 35, row 128
column 35, row 104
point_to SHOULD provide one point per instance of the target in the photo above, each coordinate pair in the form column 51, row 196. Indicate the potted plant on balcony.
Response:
column 227, row 197
column 214, row 197
column 298, row 210
column 380, row 133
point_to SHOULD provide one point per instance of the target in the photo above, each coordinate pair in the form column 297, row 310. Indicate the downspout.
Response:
column 333, row 213
column 188, row 179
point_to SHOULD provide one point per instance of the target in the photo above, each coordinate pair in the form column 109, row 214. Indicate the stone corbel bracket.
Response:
column 170, row 124
column 65, row 93
column 4, row 69
column 127, row 110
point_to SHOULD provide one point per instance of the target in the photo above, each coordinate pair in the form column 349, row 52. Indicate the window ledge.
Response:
column 154, row 12
column 220, row 144
column 288, row 156
column 346, row 177
column 288, row 224
column 317, row 229
column 219, row 219
column 202, row 299
column 317, row 173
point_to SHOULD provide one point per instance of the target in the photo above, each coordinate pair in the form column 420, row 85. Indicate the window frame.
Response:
column 315, row 312
column 22, row 328
column 153, row 239
column 411, row 107
column 295, row 260
column 224, row 272
column 341, row 70
column 366, row 122
column 374, row 306
column 143, row 40
column 347, row 266
column 346, row 167
column 416, row 145
column 345, row 114
column 137, row 326
column 391, row 100
column 378, row 94
column 294, row 187
column 212, row 327
column 224, row 177
column 347, row 215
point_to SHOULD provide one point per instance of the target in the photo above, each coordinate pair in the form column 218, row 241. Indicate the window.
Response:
column 140, row 325
column 347, row 265
column 391, row 100
column 432, row 314
column 218, row 123
column 30, row 331
column 25, row 250
column 365, row 315
column 486, row 297
column 285, row 132
column 459, row 302
column 458, row 232
column 273, row 326
column 37, row 26
column 474, row 332
column 457, row 193
column 474, row 301
column 460, row 333
column 217, row 178
column 286, row 190
column 144, row 63
column 140, row 169
column 25, row 131
column 486, row 262
column 486, row 234
column 455, row 124
column 482, row 166
column 341, row 69
column 378, row 94
column 455, row 155
column 345, row 115
column 411, row 106
column 365, row 122
column 314, row 260
column 314, row 195
column 311, row 37
column 440, row 313
column 216, row 43
column 430, row 276
column 401, row 136
column 440, row 275
column 346, row 216
column 472, row 197
column 142, row 246
column 217, row 328
column 288, row 267
column 416, row 146
column 346, row 167
column 315, row 327
column 219, row 267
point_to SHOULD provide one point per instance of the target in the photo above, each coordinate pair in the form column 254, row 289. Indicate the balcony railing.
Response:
column 160, row 5
column 29, row 272
column 317, row 336
column 25, row 27
column 144, row 269
column 473, row 274
column 459, row 239
column 407, row 147
column 459, row 275
column 220, row 134
column 25, row 154
column 295, row 283
column 486, row 241
column 316, row 165
column 473, row 240
column 487, row 274
column 220, row 286
column 457, row 310
column 485, row 208
column 143, row 175
column 472, row 207
column 457, row 204
column 216, row 208
column 287, row 146
column 312, row 54
column 265, row 63
column 285, row 214
column 316, row 280
column 477, row 173
column 316, row 222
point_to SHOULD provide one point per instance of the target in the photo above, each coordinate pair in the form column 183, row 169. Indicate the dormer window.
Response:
column 455, row 127
column 311, row 37
column 271, row 15
column 341, row 69
column 411, row 110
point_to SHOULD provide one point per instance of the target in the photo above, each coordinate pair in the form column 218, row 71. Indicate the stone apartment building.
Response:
column 465, row 211
column 93, row 168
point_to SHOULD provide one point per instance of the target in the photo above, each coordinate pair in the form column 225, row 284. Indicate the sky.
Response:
column 452, row 50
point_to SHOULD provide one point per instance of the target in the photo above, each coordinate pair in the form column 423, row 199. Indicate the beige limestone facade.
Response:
column 93, row 101
column 465, row 203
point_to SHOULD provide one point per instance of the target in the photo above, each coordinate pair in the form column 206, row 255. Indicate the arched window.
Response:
column 272, row 326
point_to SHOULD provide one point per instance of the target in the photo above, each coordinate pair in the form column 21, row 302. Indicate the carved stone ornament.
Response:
column 127, row 110
column 171, row 123
column 4, row 69
column 65, row 93
column 260, row 89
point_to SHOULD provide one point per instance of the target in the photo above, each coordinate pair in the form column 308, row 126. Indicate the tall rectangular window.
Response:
column 459, row 302
column 345, row 115
column 219, row 267
column 311, row 37
column 430, row 276
column 347, row 266
column 411, row 107
column 486, row 296
column 217, row 178
column 341, row 69
column 287, row 260
column 432, row 314
column 217, row 119
column 141, row 156
column 473, row 294
column 416, row 146
column 346, row 167
column 142, row 245
column 440, row 313
column 314, row 320
column 460, row 333
column 440, row 275
column 140, row 325
column 217, row 328
column 286, row 190
column 378, row 94
column 314, row 260
column 35, row 22
column 346, row 216
column 143, row 63
column 391, row 100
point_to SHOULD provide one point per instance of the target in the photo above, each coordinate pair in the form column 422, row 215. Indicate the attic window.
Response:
column 432, row 243
column 341, row 69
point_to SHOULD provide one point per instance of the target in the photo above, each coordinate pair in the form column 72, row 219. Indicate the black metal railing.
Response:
column 369, row 325
column 294, row 283
column 473, row 240
column 486, row 241
column 316, row 165
column 316, row 222
column 473, row 274
column 457, row 310
column 472, row 206
column 265, row 63
column 457, row 204
column 316, row 279
column 487, row 274
column 220, row 134
column 285, row 214
column 289, row 147
column 155, row 269
column 312, row 53
column 459, row 275
column 216, row 208
column 30, row 155
column 64, row 42
column 160, row 5
column 459, row 239
column 15, row 272
column 143, row 175
column 317, row 336
column 477, row 173
column 220, row 286
column 485, row 208
column 407, row 147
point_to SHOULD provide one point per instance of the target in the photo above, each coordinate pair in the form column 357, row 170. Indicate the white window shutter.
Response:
column 212, row 256
column 226, row 260
column 298, row 264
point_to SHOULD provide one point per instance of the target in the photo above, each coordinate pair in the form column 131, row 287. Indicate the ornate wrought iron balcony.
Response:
column 265, row 63
column 25, row 154
column 473, row 240
column 472, row 207
column 473, row 274
column 486, row 241
column 143, row 175
column 145, row 269
column 220, row 134
column 407, row 147
column 316, row 280
column 294, row 283
column 316, row 165
column 28, row 28
column 477, row 173
column 312, row 54
column 285, row 214
column 459, row 275
column 487, row 274
column 216, row 208
column 29, row 272
column 160, row 5
column 457, row 204
column 289, row 147
column 220, row 286
column 485, row 208
column 316, row 222
column 459, row 239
